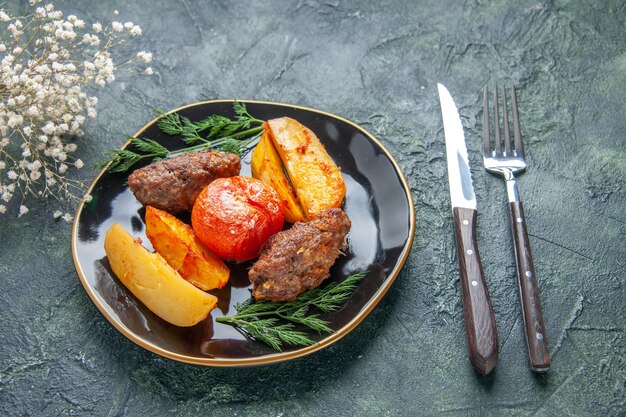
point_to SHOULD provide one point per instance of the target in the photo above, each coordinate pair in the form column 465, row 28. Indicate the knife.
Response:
column 480, row 323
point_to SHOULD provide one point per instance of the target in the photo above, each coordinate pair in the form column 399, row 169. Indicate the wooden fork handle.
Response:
column 536, row 338
column 480, row 323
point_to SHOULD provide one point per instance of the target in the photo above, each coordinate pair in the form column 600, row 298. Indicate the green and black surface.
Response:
column 375, row 63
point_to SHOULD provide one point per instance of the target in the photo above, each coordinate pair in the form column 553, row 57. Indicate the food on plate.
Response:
column 154, row 282
column 267, row 167
column 299, row 259
column 177, row 243
column 316, row 179
column 234, row 217
column 173, row 184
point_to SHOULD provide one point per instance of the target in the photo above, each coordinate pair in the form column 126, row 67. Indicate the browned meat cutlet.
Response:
column 299, row 259
column 173, row 184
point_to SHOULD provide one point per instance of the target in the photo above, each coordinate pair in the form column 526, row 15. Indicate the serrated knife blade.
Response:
column 480, row 323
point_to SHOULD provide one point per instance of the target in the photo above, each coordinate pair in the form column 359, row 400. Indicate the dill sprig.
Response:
column 274, row 323
column 214, row 132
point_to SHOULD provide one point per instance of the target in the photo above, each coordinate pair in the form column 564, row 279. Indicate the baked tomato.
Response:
column 234, row 216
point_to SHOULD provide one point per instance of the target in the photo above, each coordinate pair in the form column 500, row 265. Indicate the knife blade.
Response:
column 480, row 323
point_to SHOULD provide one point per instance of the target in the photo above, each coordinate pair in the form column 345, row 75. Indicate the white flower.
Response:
column 117, row 26
column 4, row 17
column 115, row 12
column 63, row 168
column 144, row 56
column 97, row 27
column 48, row 128
column 129, row 25
column 23, row 210
column 57, row 214
column 12, row 175
column 3, row 209
column 3, row 47
column 87, row 198
column 79, row 164
column 3, row 165
column 148, row 71
column 67, row 217
column 135, row 31
column 15, row 121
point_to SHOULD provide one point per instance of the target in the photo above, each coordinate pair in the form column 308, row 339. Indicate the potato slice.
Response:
column 316, row 179
column 177, row 243
column 267, row 167
column 156, row 284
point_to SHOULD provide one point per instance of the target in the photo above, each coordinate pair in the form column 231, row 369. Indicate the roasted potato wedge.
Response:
column 315, row 177
column 267, row 167
column 154, row 282
column 176, row 242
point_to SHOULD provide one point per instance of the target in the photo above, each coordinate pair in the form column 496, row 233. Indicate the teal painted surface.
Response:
column 375, row 63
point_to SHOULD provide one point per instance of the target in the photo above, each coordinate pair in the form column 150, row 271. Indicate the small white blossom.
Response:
column 79, row 164
column 87, row 198
column 144, row 56
column 63, row 168
column 57, row 214
column 97, row 27
column 115, row 12
column 3, row 209
column 148, row 71
column 4, row 17
column 117, row 26
column 135, row 31
column 23, row 210
column 12, row 175
column 67, row 217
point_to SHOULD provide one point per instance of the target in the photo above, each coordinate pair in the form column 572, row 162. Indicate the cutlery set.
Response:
column 505, row 160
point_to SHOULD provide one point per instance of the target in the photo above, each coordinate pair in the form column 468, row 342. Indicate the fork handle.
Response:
column 480, row 322
column 536, row 338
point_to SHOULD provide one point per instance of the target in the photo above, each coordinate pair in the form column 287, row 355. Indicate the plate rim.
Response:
column 273, row 357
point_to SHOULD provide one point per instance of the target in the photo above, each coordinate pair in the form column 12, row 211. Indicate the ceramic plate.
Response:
column 378, row 201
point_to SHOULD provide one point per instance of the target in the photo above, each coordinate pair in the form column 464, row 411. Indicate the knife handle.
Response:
column 480, row 322
column 535, row 330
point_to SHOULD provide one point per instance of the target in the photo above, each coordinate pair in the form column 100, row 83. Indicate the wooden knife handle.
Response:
column 480, row 323
column 536, row 338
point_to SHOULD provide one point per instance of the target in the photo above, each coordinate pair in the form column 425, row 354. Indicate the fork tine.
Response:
column 486, row 138
column 519, row 147
column 496, row 120
column 505, row 122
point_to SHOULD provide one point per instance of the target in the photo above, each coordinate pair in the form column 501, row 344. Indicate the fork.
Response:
column 507, row 162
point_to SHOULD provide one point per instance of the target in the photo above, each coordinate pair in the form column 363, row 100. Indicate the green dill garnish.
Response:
column 274, row 323
column 214, row 132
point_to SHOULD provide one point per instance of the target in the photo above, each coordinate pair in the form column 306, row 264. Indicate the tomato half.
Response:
column 234, row 217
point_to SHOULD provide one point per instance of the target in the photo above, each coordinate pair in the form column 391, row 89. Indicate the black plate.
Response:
column 378, row 201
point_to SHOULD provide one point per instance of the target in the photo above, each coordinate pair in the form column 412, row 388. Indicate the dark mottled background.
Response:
column 376, row 63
